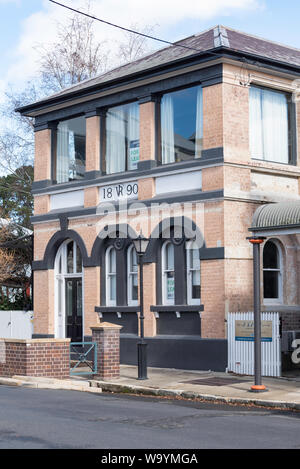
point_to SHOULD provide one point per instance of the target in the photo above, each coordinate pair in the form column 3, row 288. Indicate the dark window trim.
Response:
column 206, row 77
column 180, row 274
column 103, row 133
column 209, row 157
column 53, row 126
column 158, row 124
column 121, row 277
column 292, row 127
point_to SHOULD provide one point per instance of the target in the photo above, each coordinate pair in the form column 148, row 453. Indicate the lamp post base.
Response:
column 142, row 360
column 258, row 388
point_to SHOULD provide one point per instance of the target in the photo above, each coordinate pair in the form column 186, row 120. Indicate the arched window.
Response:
column 272, row 271
column 111, row 276
column 168, row 273
column 132, row 276
column 180, row 273
column 193, row 273
column 68, row 259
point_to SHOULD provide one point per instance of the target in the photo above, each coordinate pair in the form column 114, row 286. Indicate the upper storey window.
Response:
column 270, row 126
column 122, row 138
column 70, row 150
column 181, row 125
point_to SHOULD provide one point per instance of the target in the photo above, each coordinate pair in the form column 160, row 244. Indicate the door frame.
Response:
column 62, row 252
column 74, row 281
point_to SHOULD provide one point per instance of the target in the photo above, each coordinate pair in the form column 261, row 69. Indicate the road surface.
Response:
column 33, row 418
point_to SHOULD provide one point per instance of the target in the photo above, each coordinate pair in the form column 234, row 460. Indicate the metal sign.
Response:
column 244, row 331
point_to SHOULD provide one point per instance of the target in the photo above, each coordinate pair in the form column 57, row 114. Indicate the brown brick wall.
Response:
column 146, row 188
column 213, row 178
column 39, row 357
column 236, row 122
column 147, row 131
column 44, row 302
column 212, row 117
column 41, row 204
column 91, row 297
column 93, row 143
column 91, row 197
column 42, row 159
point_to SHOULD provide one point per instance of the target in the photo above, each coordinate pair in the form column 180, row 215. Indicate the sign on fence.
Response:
column 240, row 331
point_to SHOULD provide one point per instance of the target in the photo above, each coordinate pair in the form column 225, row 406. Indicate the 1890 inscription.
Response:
column 127, row 190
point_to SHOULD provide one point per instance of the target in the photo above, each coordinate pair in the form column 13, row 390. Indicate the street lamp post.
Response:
column 141, row 244
column 258, row 386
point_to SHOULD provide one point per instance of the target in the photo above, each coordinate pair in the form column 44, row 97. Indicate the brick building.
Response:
column 207, row 128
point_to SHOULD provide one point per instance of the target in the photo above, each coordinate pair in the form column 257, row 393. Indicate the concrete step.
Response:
column 54, row 383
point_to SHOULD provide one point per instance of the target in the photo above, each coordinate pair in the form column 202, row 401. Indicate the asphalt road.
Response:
column 46, row 419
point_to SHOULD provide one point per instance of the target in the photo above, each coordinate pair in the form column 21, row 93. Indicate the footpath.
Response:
column 228, row 388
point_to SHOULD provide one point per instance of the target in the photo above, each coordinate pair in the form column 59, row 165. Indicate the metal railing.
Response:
column 83, row 358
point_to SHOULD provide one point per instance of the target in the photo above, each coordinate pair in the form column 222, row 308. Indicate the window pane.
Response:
column 270, row 256
column 134, row 264
column 271, row 284
column 134, row 287
column 70, row 150
column 70, row 256
column 196, row 284
column 269, row 125
column 79, row 298
column 112, row 287
column 170, row 287
column 170, row 257
column 181, row 125
column 195, row 261
column 122, row 138
column 60, row 264
column 112, row 261
column 69, row 298
column 78, row 260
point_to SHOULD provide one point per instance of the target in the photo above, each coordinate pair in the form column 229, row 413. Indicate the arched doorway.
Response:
column 69, row 292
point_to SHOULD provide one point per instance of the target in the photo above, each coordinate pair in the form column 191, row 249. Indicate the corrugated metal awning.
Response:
column 280, row 216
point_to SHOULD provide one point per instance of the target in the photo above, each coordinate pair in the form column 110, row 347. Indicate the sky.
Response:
column 26, row 23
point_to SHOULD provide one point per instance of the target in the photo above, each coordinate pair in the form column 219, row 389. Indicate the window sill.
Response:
column 117, row 309
column 176, row 308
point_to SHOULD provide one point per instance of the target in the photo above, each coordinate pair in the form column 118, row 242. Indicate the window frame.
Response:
column 104, row 145
column 108, row 275
column 158, row 123
column 164, row 271
column 292, row 127
column 54, row 140
column 130, row 275
column 189, row 275
column 279, row 270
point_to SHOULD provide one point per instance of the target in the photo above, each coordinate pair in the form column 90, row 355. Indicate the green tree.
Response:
column 16, row 201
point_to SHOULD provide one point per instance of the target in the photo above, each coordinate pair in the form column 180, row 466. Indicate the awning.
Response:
column 277, row 218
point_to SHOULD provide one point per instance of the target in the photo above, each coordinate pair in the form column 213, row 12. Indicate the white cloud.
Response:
column 40, row 26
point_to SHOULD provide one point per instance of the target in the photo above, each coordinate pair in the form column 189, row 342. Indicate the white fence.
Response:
column 16, row 324
column 240, row 330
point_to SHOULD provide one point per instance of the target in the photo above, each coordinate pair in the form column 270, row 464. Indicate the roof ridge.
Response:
column 261, row 38
column 221, row 37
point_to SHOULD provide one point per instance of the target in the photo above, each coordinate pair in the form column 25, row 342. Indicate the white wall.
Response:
column 16, row 324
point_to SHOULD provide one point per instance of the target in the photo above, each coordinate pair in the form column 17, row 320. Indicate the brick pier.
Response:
column 107, row 337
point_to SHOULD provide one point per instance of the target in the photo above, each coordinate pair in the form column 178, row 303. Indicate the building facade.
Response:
column 183, row 145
